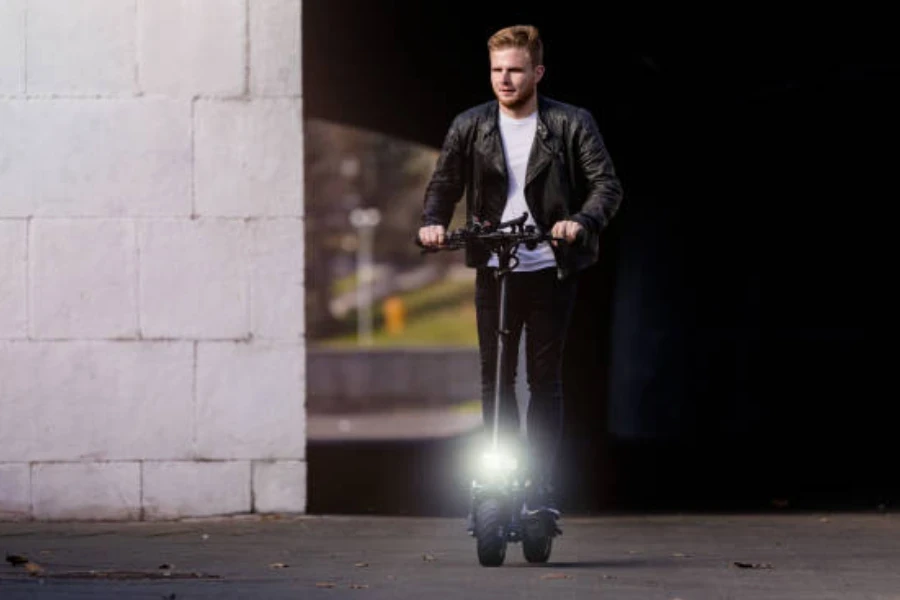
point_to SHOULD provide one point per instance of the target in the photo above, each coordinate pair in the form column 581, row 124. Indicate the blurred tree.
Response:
column 347, row 168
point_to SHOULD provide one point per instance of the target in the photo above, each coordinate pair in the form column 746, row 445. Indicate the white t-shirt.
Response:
column 518, row 136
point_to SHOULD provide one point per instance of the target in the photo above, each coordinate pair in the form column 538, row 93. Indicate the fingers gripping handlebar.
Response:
column 505, row 236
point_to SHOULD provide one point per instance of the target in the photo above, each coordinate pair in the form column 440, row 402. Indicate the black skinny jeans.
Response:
column 542, row 304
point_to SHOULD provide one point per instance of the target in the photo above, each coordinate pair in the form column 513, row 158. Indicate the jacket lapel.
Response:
column 543, row 148
column 492, row 145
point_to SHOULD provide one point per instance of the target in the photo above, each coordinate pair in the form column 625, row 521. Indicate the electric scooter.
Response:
column 498, row 513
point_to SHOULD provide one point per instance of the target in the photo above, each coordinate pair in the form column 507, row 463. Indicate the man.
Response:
column 526, row 153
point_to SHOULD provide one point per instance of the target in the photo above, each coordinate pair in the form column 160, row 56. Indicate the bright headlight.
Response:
column 499, row 462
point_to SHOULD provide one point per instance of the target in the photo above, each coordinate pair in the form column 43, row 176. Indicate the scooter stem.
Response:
column 504, row 259
column 502, row 333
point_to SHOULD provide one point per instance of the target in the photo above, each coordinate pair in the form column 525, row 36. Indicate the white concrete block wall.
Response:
column 188, row 48
column 173, row 489
column 88, row 401
column 275, row 51
column 96, row 157
column 77, row 266
column 193, row 281
column 15, row 491
column 244, row 164
column 85, row 47
column 12, row 46
column 152, row 356
column 260, row 383
column 13, row 279
column 87, row 490
column 279, row 486
column 277, row 306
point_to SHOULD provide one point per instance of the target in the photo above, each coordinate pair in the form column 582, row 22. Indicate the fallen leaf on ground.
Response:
column 359, row 586
column 325, row 584
column 746, row 565
column 428, row 558
column 360, row 565
column 278, row 566
column 33, row 568
column 556, row 576
column 166, row 567
column 16, row 559
column 681, row 555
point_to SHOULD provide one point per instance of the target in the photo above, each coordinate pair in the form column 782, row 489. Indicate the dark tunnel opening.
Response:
column 731, row 348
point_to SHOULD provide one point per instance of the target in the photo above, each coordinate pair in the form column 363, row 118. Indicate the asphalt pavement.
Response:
column 774, row 556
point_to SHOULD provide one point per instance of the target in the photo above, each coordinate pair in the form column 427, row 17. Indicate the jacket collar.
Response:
column 541, row 151
column 492, row 122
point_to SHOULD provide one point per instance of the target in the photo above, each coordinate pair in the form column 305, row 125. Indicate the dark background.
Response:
column 733, row 347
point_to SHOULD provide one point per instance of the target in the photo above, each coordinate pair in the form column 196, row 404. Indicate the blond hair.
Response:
column 519, row 36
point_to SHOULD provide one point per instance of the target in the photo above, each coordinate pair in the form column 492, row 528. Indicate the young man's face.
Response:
column 513, row 77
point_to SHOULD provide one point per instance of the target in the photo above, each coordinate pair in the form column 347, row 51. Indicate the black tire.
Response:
column 537, row 541
column 537, row 549
column 490, row 532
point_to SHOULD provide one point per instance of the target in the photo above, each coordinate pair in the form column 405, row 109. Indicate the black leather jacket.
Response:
column 570, row 176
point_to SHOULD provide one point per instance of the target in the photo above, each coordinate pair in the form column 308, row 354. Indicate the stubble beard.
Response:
column 517, row 102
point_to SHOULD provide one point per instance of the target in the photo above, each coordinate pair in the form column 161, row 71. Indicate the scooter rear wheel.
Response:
column 537, row 549
column 537, row 540
column 490, row 532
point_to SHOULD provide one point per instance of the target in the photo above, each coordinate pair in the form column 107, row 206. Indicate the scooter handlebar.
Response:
column 454, row 240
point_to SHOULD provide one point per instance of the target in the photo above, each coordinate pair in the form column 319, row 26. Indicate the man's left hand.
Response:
column 567, row 230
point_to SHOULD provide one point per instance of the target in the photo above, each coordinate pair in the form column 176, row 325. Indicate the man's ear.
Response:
column 538, row 73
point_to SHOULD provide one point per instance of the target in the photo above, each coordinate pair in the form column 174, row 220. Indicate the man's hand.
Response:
column 431, row 235
column 567, row 230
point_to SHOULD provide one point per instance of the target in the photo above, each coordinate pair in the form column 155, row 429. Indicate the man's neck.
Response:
column 520, row 112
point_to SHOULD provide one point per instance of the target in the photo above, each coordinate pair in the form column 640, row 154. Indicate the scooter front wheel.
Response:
column 490, row 532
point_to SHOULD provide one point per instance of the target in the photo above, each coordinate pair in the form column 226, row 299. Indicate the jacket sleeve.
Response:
column 604, row 189
column 447, row 183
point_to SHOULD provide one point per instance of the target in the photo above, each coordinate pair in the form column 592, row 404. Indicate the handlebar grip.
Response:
column 429, row 249
column 580, row 238
column 425, row 249
column 579, row 241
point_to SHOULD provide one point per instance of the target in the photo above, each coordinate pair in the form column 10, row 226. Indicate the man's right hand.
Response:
column 431, row 235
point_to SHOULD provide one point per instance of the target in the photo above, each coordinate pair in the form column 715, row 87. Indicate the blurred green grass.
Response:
column 441, row 314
